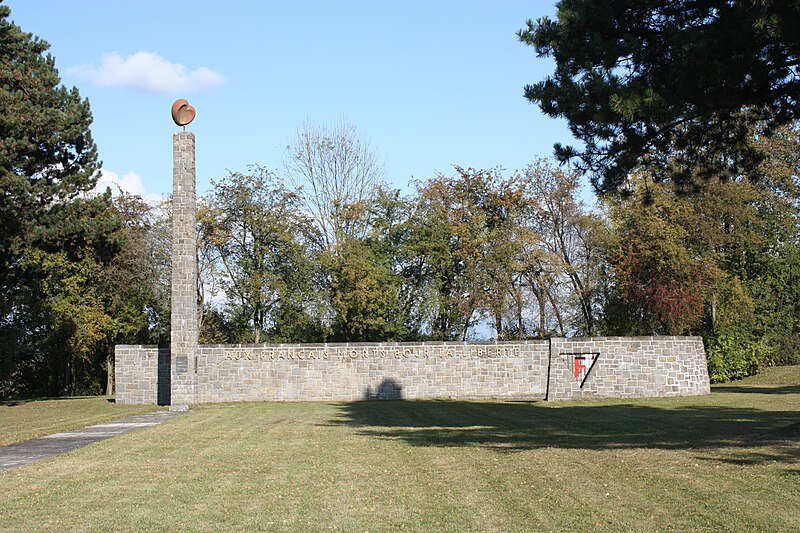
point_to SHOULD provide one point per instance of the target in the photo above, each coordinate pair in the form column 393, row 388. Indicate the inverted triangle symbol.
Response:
column 580, row 364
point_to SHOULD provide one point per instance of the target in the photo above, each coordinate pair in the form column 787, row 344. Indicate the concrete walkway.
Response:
column 22, row 453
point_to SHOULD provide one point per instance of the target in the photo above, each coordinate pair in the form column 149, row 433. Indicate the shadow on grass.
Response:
column 743, row 435
column 23, row 401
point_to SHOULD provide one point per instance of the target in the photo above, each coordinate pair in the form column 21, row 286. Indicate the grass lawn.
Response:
column 728, row 461
column 27, row 419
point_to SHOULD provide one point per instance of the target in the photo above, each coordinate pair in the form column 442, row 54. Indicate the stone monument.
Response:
column 188, row 373
column 184, row 327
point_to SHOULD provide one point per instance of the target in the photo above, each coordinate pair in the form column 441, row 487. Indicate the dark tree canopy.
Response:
column 674, row 85
column 54, row 238
column 47, row 155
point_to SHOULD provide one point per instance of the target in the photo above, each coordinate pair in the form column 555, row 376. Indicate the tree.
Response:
column 718, row 260
column 335, row 169
column 449, row 238
column 657, row 280
column 772, row 276
column 671, row 85
column 364, row 293
column 468, row 234
column 260, row 238
column 138, row 277
column 570, row 237
column 504, row 206
column 401, row 297
column 47, row 156
column 338, row 176
column 75, row 322
column 54, row 237
column 136, row 282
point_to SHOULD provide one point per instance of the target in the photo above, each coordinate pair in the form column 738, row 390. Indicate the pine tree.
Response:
column 48, row 161
column 671, row 85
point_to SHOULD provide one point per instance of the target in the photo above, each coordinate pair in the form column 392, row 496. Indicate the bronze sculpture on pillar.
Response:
column 184, row 326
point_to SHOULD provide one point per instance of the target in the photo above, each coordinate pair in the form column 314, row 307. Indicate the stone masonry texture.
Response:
column 627, row 367
column 184, row 332
column 624, row 367
column 143, row 375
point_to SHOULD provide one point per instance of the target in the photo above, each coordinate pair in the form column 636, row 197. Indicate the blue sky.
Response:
column 431, row 84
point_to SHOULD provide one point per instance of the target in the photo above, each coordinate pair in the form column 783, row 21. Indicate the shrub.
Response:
column 732, row 354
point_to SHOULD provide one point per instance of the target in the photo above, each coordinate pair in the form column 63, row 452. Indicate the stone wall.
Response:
column 372, row 371
column 142, row 374
column 627, row 367
column 606, row 367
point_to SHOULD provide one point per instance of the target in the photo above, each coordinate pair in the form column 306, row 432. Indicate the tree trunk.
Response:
column 557, row 313
column 520, row 326
column 466, row 325
column 542, row 306
column 110, row 376
column 714, row 308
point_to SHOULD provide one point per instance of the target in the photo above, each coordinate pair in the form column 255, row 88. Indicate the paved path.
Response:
column 22, row 453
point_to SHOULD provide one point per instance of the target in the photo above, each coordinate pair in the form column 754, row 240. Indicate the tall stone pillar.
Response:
column 184, row 332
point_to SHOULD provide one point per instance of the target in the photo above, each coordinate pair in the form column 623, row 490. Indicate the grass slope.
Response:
column 728, row 461
column 27, row 419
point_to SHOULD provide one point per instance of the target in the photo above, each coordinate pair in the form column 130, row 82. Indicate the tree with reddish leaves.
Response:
column 657, row 279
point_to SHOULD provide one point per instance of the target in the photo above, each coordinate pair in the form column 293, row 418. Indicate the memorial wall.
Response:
column 556, row 369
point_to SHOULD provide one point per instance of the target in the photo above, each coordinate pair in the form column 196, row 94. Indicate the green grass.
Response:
column 27, row 419
column 728, row 461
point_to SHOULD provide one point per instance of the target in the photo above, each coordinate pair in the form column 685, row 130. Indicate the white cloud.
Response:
column 130, row 183
column 149, row 72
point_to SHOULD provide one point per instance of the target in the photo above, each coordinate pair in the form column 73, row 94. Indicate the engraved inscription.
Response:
column 352, row 353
